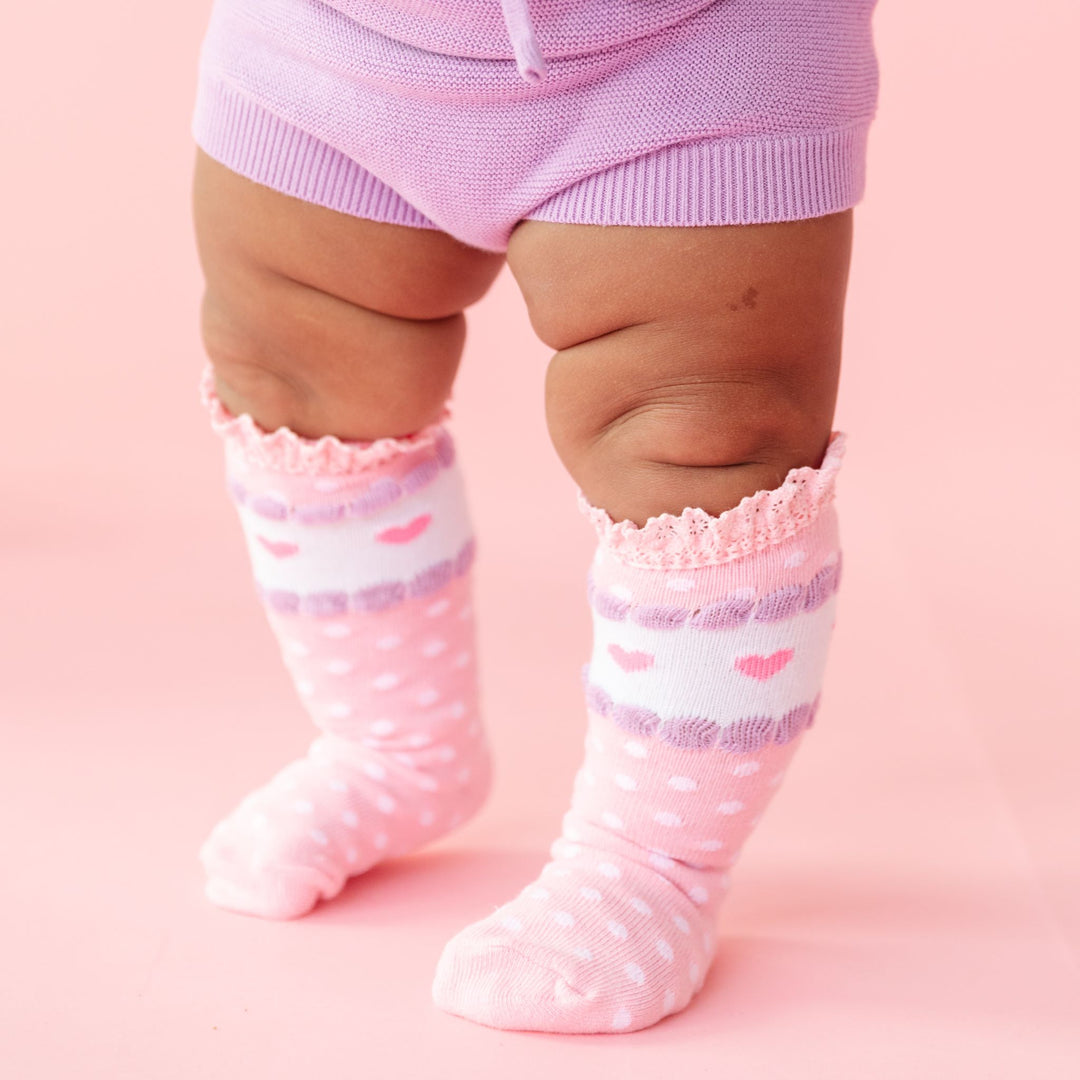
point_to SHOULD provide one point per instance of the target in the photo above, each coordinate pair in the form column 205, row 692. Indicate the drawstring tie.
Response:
column 530, row 61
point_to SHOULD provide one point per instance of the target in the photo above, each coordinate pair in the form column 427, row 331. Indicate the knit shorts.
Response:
column 646, row 112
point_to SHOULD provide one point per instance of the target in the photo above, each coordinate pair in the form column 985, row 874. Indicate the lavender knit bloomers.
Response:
column 472, row 115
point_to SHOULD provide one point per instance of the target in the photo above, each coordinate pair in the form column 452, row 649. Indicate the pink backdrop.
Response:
column 910, row 903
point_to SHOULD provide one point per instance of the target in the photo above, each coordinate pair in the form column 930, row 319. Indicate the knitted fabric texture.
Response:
column 705, row 673
column 362, row 555
column 675, row 112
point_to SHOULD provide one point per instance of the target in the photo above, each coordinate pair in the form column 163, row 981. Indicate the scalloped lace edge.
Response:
column 696, row 538
column 283, row 450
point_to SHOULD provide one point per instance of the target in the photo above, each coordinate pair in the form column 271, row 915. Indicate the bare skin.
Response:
column 692, row 366
column 327, row 323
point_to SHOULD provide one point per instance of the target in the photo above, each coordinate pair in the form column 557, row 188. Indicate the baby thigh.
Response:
column 323, row 322
column 693, row 366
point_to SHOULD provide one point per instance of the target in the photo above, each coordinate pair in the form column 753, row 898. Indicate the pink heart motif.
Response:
column 764, row 667
column 280, row 549
column 402, row 534
column 631, row 661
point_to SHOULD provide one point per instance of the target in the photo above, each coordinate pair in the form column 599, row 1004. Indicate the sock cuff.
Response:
column 283, row 451
column 695, row 538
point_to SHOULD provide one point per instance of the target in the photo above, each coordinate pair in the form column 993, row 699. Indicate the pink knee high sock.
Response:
column 362, row 555
column 710, row 638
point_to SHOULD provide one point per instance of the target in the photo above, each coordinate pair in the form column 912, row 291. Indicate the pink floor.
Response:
column 910, row 905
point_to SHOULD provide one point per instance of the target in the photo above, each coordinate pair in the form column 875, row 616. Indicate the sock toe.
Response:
column 284, row 848
column 495, row 984
column 278, row 893
column 584, row 950
column 242, row 879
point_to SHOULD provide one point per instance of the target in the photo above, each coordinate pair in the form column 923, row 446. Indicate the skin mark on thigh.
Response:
column 693, row 365
column 747, row 300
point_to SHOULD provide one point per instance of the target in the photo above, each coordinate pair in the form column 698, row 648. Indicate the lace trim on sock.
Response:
column 285, row 451
column 696, row 538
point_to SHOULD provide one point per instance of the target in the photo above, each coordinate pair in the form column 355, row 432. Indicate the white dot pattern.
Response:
column 666, row 797
column 378, row 682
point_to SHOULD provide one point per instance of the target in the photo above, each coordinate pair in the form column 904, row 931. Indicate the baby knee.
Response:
column 320, row 367
column 248, row 377
column 639, row 446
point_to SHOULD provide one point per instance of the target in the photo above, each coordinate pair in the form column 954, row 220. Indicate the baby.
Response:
column 671, row 184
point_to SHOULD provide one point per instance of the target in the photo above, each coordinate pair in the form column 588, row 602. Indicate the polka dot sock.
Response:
column 710, row 638
column 361, row 554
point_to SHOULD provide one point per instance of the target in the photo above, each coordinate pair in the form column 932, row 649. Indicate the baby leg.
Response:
column 691, row 397
column 334, row 342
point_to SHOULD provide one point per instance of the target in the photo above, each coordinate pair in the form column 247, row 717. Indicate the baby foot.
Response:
column 336, row 813
column 600, row 942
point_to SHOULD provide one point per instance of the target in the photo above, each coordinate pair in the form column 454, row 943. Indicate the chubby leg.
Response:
column 695, row 365
column 333, row 343
column 326, row 323
column 691, row 397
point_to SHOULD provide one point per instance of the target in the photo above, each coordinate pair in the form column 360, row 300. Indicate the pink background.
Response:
column 909, row 905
